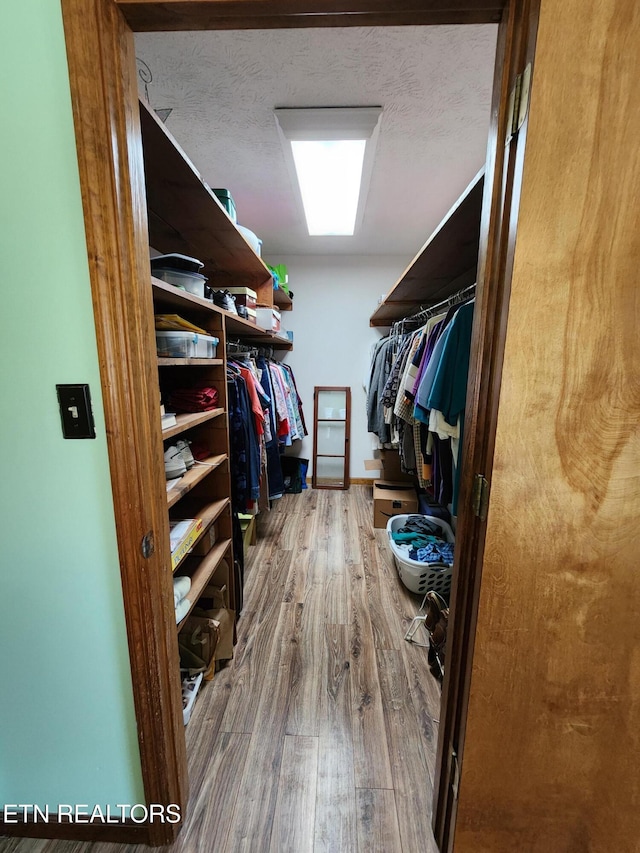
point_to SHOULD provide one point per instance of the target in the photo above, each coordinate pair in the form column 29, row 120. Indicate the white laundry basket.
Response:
column 416, row 576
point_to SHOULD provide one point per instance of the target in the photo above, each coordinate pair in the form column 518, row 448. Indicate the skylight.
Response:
column 329, row 173
column 331, row 151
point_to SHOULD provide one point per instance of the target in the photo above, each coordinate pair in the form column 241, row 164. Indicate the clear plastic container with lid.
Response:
column 185, row 345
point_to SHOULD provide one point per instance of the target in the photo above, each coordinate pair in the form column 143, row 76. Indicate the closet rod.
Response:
column 432, row 310
column 239, row 348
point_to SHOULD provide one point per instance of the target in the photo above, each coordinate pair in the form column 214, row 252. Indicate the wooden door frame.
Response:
column 347, row 425
column 102, row 72
column 505, row 164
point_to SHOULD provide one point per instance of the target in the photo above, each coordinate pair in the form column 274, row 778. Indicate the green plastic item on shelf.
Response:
column 282, row 277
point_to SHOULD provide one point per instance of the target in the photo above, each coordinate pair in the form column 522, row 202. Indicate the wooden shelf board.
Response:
column 271, row 340
column 185, row 215
column 208, row 514
column 187, row 421
column 445, row 264
column 239, row 326
column 282, row 300
column 202, row 575
column 194, row 476
column 167, row 294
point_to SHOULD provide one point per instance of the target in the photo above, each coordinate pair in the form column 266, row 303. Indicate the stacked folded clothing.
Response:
column 181, row 587
column 201, row 398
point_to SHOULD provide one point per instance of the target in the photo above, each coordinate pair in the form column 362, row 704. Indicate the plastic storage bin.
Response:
column 176, row 261
column 192, row 282
column 254, row 241
column 186, row 345
column 268, row 319
column 420, row 577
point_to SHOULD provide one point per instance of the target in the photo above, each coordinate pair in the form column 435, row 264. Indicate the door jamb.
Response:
column 516, row 48
column 111, row 172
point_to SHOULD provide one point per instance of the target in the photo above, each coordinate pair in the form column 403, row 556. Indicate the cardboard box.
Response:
column 183, row 534
column 244, row 296
column 206, row 543
column 391, row 469
column 214, row 604
column 388, row 464
column 391, row 499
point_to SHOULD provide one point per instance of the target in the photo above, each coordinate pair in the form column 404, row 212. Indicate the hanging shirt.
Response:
column 254, row 397
column 280, row 402
column 448, row 392
column 421, row 409
column 295, row 401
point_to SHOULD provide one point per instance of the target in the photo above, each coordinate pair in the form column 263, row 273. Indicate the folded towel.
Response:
column 202, row 398
column 181, row 587
column 181, row 609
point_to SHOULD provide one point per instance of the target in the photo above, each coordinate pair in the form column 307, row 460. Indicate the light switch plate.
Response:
column 75, row 411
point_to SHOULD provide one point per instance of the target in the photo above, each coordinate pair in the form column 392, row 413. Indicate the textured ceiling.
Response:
column 434, row 84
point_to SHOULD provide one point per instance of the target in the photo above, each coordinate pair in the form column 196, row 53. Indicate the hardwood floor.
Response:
column 320, row 736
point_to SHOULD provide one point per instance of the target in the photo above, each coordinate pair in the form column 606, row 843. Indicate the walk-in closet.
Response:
column 334, row 565
column 339, row 596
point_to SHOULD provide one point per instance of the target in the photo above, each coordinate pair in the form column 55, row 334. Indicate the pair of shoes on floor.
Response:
column 177, row 460
column 436, row 623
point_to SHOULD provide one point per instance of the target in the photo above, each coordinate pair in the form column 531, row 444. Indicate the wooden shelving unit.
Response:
column 193, row 477
column 282, row 300
column 447, row 262
column 270, row 339
column 202, row 575
column 185, row 216
column 171, row 299
column 185, row 422
column 239, row 326
column 208, row 514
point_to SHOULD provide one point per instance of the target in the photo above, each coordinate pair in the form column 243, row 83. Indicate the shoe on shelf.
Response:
column 224, row 299
column 174, row 464
column 190, row 686
column 184, row 450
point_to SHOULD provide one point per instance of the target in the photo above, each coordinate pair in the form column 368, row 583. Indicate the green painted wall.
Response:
column 67, row 724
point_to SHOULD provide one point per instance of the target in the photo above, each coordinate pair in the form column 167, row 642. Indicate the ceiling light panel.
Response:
column 329, row 148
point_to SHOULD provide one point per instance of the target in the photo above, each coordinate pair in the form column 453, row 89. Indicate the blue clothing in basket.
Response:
column 434, row 552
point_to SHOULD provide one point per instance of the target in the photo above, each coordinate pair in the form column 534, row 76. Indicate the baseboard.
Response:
column 362, row 481
column 124, row 832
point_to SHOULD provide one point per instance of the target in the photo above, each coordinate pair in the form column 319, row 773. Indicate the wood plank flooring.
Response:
column 320, row 735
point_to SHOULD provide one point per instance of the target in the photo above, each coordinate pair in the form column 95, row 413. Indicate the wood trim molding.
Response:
column 101, row 59
column 155, row 15
column 104, row 94
column 126, row 832
column 516, row 46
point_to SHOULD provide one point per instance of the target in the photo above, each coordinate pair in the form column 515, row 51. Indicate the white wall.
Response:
column 334, row 296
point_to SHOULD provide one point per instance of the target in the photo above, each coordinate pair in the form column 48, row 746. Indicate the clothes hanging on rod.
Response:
column 265, row 415
column 451, row 301
column 417, row 392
